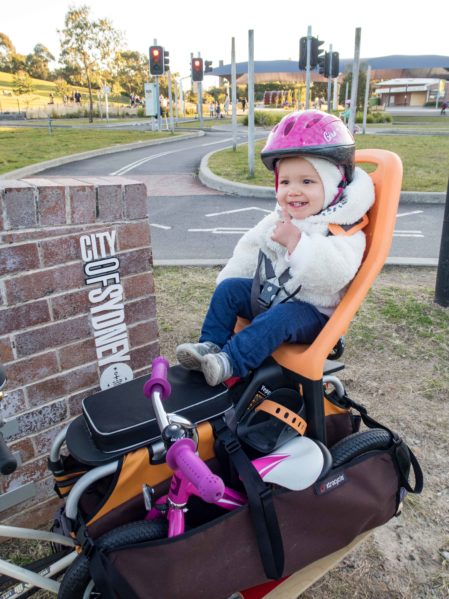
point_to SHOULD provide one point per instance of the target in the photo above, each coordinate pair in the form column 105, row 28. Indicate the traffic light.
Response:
column 323, row 64
column 166, row 60
column 303, row 53
column 208, row 66
column 156, row 60
column 315, row 52
column 335, row 64
column 197, row 69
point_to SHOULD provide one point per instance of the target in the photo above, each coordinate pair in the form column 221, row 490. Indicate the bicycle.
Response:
column 165, row 517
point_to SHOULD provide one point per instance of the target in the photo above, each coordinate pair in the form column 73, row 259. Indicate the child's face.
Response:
column 300, row 190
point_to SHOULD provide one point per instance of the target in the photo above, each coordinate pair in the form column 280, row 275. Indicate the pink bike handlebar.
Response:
column 158, row 378
column 182, row 456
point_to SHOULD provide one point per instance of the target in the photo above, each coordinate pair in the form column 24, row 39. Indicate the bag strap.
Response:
column 277, row 410
column 260, row 502
column 404, row 456
column 108, row 581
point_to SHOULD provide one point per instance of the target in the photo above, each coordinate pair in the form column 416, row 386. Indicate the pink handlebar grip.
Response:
column 158, row 377
column 182, row 456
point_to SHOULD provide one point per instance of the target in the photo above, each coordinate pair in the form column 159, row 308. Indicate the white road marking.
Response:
column 239, row 210
column 160, row 226
column 212, row 143
column 399, row 234
column 410, row 213
column 221, row 230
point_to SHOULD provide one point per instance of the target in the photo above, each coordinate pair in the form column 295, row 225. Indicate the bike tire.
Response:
column 359, row 443
column 77, row 579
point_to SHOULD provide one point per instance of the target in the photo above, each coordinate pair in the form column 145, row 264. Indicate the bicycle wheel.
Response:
column 359, row 443
column 77, row 582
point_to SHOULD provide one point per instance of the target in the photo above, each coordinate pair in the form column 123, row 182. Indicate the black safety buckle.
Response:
column 232, row 445
column 87, row 544
column 267, row 294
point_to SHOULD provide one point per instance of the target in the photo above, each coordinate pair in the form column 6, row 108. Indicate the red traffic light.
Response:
column 156, row 60
column 197, row 64
column 155, row 52
column 197, row 69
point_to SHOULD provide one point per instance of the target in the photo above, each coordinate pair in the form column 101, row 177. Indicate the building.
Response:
column 411, row 91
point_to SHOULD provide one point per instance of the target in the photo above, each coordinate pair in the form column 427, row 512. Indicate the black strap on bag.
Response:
column 260, row 502
column 404, row 456
column 108, row 581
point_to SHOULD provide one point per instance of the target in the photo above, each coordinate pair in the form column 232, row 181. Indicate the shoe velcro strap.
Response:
column 283, row 414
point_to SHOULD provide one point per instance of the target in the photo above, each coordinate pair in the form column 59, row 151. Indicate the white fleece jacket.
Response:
column 322, row 264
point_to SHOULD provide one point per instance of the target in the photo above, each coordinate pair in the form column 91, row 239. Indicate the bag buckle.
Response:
column 232, row 445
column 267, row 294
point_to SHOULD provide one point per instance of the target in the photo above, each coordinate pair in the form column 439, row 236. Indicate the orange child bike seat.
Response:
column 309, row 360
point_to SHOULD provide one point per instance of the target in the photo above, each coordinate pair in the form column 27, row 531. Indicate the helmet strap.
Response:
column 341, row 187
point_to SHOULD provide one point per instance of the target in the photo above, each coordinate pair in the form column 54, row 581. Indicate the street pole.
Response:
column 170, row 103
column 365, row 107
column 329, row 81
column 200, row 98
column 176, row 99
column 159, row 124
column 355, row 80
column 309, row 46
column 234, row 95
column 442, row 282
column 251, row 135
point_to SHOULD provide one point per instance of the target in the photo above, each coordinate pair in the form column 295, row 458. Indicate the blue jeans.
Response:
column 294, row 322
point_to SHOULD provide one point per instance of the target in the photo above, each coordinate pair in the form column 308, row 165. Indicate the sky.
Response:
column 387, row 27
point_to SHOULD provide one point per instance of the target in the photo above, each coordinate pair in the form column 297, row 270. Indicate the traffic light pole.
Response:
column 170, row 103
column 355, row 80
column 329, row 81
column 309, row 47
column 365, row 107
column 251, row 132
column 234, row 95
column 158, row 100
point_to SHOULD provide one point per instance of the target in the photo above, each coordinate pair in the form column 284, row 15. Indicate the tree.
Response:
column 7, row 50
column 131, row 69
column 90, row 46
column 37, row 62
column 62, row 89
column 347, row 80
column 22, row 84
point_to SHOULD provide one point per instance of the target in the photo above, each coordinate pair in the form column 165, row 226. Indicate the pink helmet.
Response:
column 311, row 133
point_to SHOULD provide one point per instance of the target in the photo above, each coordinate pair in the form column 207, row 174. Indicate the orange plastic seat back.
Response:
column 309, row 360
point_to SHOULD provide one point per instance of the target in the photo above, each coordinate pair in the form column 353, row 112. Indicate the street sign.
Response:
column 150, row 99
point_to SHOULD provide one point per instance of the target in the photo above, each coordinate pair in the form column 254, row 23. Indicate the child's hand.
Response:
column 285, row 233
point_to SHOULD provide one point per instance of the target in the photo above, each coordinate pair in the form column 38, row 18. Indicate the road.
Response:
column 192, row 223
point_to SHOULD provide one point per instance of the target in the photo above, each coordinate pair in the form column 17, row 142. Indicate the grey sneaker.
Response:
column 190, row 355
column 216, row 368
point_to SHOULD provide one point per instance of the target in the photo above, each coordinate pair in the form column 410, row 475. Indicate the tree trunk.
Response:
column 91, row 106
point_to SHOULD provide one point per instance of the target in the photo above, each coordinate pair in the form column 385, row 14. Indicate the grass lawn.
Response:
column 425, row 160
column 22, row 147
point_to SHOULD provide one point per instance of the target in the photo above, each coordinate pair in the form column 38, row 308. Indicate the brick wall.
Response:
column 59, row 240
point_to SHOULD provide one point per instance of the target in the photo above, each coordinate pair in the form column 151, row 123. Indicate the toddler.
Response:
column 290, row 271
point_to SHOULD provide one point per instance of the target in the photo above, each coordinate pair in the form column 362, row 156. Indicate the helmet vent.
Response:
column 313, row 122
column 289, row 126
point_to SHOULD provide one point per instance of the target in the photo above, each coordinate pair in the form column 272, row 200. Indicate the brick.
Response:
column 20, row 207
column 29, row 472
column 142, row 309
column 51, row 206
column 45, row 282
column 109, row 200
column 52, row 335
column 75, row 401
column 18, row 258
column 41, row 418
column 82, row 204
column 21, row 317
column 143, row 356
column 135, row 262
column 6, row 350
column 70, row 304
column 13, row 402
column 47, row 233
column 134, row 235
column 62, row 385
column 37, row 516
column 142, row 333
column 138, row 285
column 60, row 250
column 26, row 449
column 32, row 369
column 43, row 441
column 77, row 354
column 136, row 204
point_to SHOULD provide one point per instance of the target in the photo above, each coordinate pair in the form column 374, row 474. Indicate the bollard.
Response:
column 442, row 283
column 50, row 129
